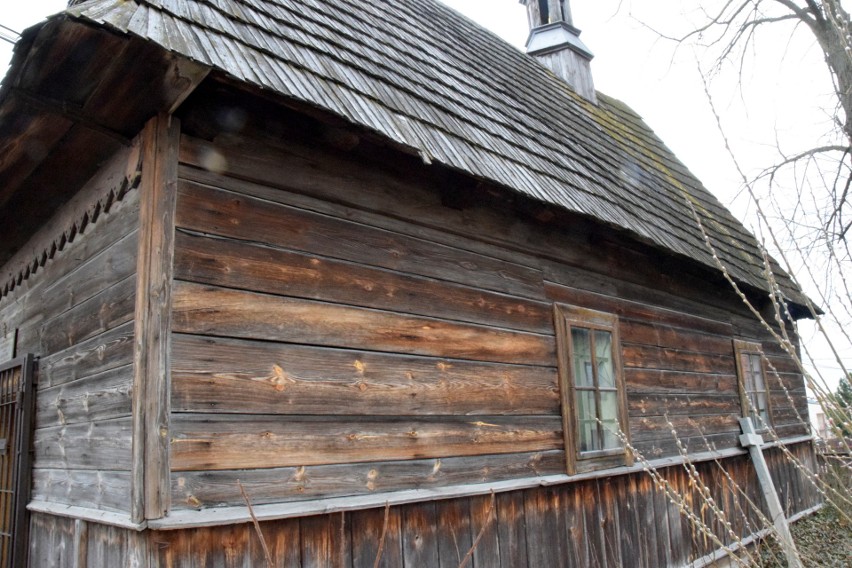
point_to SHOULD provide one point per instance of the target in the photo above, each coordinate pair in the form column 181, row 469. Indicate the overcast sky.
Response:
column 780, row 98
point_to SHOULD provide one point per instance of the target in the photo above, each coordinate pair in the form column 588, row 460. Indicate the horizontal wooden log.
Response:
column 114, row 264
column 109, row 309
column 634, row 310
column 232, row 264
column 210, row 442
column 668, row 337
column 674, row 404
column 95, row 445
column 641, row 381
column 644, row 428
column 206, row 209
column 667, row 447
column 92, row 399
column 206, row 310
column 103, row 490
column 253, row 377
column 647, row 357
column 101, row 353
column 220, row 488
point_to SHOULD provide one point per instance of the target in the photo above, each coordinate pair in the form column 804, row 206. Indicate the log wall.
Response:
column 340, row 328
column 73, row 307
column 623, row 520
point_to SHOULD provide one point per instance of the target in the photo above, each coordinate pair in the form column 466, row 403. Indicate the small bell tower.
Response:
column 556, row 43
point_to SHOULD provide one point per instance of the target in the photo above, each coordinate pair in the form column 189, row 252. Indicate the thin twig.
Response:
column 254, row 521
column 384, row 535
column 488, row 516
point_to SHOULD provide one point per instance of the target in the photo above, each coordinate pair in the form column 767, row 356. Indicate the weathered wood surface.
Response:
column 234, row 313
column 74, row 310
column 94, row 445
column 237, row 376
column 92, row 399
column 617, row 521
column 239, row 216
column 152, row 318
column 216, row 442
column 197, row 489
column 249, row 266
column 105, row 490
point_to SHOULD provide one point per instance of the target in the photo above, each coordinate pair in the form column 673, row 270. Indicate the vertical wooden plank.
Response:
column 283, row 540
column 81, row 543
column 483, row 521
column 419, row 536
column 610, row 521
column 593, row 521
column 545, row 534
column 453, row 526
column 367, row 530
column 662, row 544
column 317, row 542
column 158, row 190
column 575, row 527
column 512, row 535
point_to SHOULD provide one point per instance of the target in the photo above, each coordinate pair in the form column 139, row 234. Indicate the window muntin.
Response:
column 751, row 375
column 593, row 392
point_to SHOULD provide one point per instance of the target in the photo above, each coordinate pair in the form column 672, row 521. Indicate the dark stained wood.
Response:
column 210, row 210
column 483, row 525
column 369, row 534
column 546, row 542
column 206, row 310
column 325, row 541
column 224, row 262
column 654, row 381
column 511, row 530
column 218, row 442
column 453, row 531
column 419, row 535
column 154, row 268
column 672, row 404
column 237, row 376
column 647, row 357
column 272, row 485
column 634, row 310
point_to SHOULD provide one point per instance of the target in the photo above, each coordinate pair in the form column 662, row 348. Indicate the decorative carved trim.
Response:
column 109, row 186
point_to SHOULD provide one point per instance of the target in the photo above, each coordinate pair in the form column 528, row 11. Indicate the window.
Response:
column 593, row 399
column 751, row 376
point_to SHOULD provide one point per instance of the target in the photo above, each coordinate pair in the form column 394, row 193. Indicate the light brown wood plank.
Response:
column 215, row 442
column 206, row 310
column 254, row 377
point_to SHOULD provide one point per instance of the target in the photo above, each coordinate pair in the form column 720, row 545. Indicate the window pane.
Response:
column 609, row 406
column 582, row 345
column 610, row 433
column 603, row 356
column 587, row 417
column 757, row 372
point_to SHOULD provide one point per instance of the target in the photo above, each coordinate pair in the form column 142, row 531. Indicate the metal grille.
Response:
column 16, row 398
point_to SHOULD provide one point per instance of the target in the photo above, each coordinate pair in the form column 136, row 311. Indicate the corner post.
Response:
column 154, row 269
column 753, row 441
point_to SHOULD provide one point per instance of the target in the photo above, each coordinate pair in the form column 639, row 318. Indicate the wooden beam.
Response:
column 158, row 191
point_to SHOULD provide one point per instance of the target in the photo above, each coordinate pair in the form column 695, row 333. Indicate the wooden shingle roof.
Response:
column 421, row 75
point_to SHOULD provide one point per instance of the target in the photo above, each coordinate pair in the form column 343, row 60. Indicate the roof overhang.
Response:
column 74, row 94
